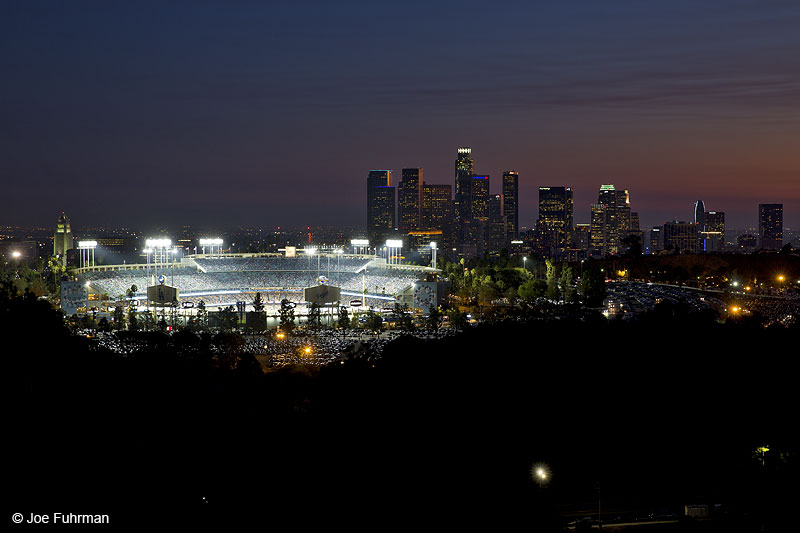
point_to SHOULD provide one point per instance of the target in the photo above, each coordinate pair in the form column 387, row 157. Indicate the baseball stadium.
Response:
column 224, row 279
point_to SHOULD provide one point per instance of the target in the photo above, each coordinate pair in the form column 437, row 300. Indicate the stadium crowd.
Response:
column 274, row 284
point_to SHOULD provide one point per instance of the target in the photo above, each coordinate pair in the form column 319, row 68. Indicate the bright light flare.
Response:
column 158, row 243
column 540, row 473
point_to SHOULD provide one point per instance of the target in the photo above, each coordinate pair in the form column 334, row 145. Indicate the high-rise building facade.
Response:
column 380, row 206
column 579, row 246
column 480, row 197
column 770, row 226
column 700, row 214
column 62, row 238
column 656, row 239
column 462, row 208
column 681, row 237
column 511, row 203
column 497, row 223
column 611, row 220
column 714, row 233
column 409, row 200
column 437, row 205
column 556, row 218
column 597, row 229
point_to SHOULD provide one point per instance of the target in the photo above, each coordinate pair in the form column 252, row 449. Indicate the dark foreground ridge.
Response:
column 444, row 432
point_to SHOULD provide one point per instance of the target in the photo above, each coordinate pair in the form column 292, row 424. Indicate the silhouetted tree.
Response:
column 343, row 318
column 593, row 287
column 314, row 316
column 286, row 316
column 228, row 318
column 553, row 293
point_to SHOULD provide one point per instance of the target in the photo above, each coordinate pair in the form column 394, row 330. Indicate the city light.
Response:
column 16, row 254
column 540, row 473
column 210, row 242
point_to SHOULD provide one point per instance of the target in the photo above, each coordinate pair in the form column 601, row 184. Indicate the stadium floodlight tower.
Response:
column 160, row 249
column 211, row 243
column 433, row 253
column 394, row 246
column 339, row 253
column 359, row 245
column 311, row 252
column 86, row 249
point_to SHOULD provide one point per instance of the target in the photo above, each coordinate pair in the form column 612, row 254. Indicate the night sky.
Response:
column 272, row 113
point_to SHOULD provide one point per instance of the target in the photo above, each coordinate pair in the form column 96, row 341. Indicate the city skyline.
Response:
column 275, row 120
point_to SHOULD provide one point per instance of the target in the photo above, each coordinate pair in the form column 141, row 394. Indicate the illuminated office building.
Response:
column 497, row 223
column 611, row 220
column 380, row 205
column 480, row 197
column 770, row 226
column 555, row 218
column 713, row 234
column 437, row 214
column 462, row 208
column 62, row 238
column 511, row 203
column 681, row 237
column 409, row 200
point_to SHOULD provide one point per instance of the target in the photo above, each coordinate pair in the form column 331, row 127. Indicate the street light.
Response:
column 540, row 473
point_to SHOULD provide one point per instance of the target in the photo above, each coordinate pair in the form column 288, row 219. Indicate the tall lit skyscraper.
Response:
column 480, row 197
column 511, row 203
column 62, row 239
column 380, row 205
column 611, row 220
column 714, row 232
column 770, row 226
column 437, row 206
column 597, row 229
column 556, row 218
column 497, row 223
column 409, row 200
column 700, row 214
column 462, row 208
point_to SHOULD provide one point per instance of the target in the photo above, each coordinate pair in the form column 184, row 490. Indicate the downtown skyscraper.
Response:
column 409, row 200
column 462, row 199
column 511, row 204
column 555, row 219
column 380, row 205
column 437, row 212
column 770, row 226
column 610, row 220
